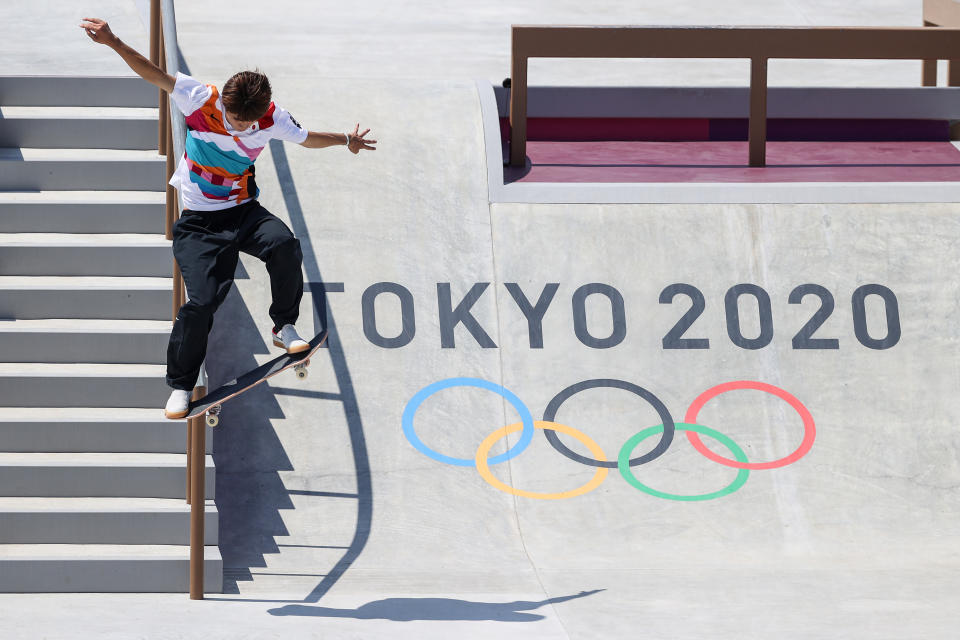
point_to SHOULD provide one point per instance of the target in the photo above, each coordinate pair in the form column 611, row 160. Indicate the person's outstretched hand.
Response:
column 358, row 142
column 98, row 30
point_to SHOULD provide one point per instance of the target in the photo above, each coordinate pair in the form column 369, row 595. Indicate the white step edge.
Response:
column 91, row 240
column 102, row 283
column 80, row 370
column 131, row 460
column 79, row 113
column 96, row 505
column 27, row 154
column 53, row 552
column 79, row 415
column 45, row 197
column 86, row 325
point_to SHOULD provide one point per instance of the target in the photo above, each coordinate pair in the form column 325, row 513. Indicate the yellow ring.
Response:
column 484, row 469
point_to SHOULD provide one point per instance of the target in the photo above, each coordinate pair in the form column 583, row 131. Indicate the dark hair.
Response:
column 247, row 95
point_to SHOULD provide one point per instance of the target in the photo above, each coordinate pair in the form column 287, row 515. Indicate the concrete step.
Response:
column 84, row 91
column 133, row 298
column 78, row 127
column 85, row 340
column 82, row 212
column 85, row 254
column 48, row 384
column 101, row 521
column 92, row 430
column 96, row 475
column 81, row 169
column 39, row 568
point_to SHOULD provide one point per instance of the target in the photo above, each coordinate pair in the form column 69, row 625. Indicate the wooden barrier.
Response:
column 757, row 44
column 941, row 13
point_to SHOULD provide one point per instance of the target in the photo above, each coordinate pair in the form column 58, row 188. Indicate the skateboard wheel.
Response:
column 301, row 373
column 212, row 420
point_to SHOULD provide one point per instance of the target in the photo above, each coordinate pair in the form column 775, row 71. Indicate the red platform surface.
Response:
column 716, row 161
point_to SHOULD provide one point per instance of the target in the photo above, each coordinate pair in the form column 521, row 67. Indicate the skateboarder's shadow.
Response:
column 410, row 609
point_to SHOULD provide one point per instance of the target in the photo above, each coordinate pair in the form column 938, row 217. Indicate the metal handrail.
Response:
column 172, row 60
column 172, row 132
column 758, row 44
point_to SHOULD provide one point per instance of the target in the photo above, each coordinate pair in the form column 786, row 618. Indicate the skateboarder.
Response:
column 226, row 131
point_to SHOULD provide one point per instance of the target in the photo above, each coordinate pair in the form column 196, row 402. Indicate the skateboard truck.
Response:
column 301, row 369
column 213, row 415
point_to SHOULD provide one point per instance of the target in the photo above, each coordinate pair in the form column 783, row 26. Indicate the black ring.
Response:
column 666, row 419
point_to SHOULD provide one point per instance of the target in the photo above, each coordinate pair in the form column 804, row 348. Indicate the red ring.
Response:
column 809, row 430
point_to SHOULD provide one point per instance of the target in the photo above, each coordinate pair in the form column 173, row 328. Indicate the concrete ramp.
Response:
column 812, row 344
column 817, row 340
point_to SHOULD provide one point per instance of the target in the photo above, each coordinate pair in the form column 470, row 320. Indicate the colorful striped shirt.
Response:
column 216, row 171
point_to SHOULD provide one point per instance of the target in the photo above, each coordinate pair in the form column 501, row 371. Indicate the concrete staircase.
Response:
column 92, row 476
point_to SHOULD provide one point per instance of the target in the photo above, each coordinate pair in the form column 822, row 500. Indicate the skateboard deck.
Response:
column 210, row 404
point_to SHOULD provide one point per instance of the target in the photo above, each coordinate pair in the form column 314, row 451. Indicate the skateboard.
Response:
column 211, row 403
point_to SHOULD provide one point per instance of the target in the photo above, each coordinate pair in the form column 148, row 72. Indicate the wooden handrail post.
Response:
column 196, row 428
column 171, row 202
column 156, row 46
column 929, row 73
column 953, row 73
column 166, row 141
column 177, row 298
column 155, row 33
column 189, row 457
column 518, row 108
column 758, row 112
column 198, row 499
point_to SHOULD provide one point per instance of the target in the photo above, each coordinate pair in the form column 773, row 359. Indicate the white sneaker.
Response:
column 178, row 405
column 289, row 340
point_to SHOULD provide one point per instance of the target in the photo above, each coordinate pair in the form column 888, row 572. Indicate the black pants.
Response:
column 206, row 245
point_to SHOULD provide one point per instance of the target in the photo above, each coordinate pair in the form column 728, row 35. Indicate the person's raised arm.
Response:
column 355, row 141
column 99, row 31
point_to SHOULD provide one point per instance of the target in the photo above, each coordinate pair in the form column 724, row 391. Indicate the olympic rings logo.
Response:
column 624, row 463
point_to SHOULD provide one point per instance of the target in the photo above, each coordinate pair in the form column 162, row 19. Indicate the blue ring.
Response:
column 526, row 435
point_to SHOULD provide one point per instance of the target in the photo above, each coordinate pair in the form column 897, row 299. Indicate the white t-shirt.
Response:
column 216, row 171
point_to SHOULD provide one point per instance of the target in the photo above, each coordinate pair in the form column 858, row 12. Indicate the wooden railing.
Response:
column 172, row 129
column 941, row 13
column 757, row 44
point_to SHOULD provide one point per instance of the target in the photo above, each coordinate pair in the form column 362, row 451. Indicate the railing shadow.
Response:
column 347, row 396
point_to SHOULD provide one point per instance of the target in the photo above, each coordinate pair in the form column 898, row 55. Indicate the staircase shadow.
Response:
column 247, row 451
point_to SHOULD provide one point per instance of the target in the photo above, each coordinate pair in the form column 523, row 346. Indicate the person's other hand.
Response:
column 358, row 142
column 98, row 30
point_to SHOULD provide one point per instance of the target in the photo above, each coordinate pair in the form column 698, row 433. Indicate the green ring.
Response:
column 623, row 462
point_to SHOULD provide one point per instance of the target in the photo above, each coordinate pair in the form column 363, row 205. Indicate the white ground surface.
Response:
column 859, row 539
